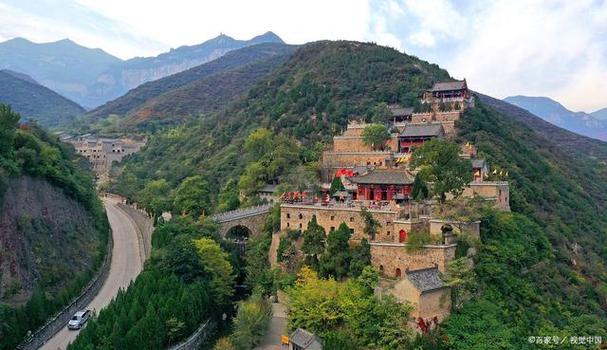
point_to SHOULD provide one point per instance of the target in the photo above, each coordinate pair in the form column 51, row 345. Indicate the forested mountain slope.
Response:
column 134, row 99
column 53, row 231
column 310, row 97
column 36, row 102
column 538, row 271
column 203, row 96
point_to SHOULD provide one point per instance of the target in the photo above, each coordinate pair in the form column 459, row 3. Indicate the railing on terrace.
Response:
column 405, row 211
column 241, row 213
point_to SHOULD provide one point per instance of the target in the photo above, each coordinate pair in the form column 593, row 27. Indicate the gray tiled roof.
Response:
column 305, row 339
column 398, row 111
column 478, row 163
column 360, row 169
column 384, row 177
column 268, row 188
column 425, row 280
column 419, row 130
column 450, row 85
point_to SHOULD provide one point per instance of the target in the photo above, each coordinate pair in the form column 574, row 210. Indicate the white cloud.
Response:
column 438, row 17
column 534, row 48
column 88, row 29
column 423, row 38
column 187, row 22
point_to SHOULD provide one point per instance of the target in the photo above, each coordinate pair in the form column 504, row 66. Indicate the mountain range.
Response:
column 92, row 77
column 197, row 90
column 36, row 102
column 588, row 124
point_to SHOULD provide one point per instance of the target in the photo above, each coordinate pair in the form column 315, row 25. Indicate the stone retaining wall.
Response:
column 144, row 225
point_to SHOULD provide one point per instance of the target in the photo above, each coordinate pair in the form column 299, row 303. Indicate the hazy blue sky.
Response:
column 503, row 47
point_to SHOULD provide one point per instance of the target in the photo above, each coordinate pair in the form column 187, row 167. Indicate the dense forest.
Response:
column 188, row 279
column 29, row 155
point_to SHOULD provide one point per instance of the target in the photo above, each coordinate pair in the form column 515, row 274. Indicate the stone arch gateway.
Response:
column 252, row 219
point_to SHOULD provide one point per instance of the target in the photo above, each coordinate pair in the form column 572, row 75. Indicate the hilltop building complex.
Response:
column 380, row 182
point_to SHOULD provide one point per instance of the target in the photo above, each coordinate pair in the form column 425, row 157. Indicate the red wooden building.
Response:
column 383, row 185
column 415, row 135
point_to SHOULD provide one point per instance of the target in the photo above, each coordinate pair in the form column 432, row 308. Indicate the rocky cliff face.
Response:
column 47, row 239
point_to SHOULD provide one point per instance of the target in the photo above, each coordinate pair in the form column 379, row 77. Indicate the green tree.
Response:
column 381, row 114
column 336, row 185
column 372, row 226
column 259, row 143
column 313, row 242
column 335, row 261
column 253, row 178
column 325, row 306
column 192, row 197
column 461, row 278
column 301, row 178
column 182, row 260
column 361, row 258
column 439, row 162
column 375, row 135
column 128, row 185
column 251, row 322
column 9, row 121
column 420, row 189
column 228, row 198
column 175, row 329
column 216, row 263
column 156, row 197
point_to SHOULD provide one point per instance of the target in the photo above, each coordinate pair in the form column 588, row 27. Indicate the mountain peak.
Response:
column 266, row 37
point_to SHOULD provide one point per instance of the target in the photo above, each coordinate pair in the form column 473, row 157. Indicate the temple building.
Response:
column 448, row 92
column 400, row 114
column 414, row 135
column 383, row 185
column 480, row 169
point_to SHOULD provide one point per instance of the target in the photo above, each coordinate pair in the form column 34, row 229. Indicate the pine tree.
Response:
column 314, row 242
column 335, row 261
column 420, row 189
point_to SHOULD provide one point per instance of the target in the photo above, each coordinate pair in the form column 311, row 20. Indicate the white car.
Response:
column 79, row 319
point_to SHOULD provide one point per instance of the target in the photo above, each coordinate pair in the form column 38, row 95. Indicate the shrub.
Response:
column 251, row 322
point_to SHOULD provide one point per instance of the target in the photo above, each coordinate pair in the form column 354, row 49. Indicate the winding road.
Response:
column 126, row 264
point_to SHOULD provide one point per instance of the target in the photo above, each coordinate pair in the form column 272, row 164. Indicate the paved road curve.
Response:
column 125, row 266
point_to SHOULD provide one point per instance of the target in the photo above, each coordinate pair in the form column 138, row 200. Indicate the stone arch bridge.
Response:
column 251, row 218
